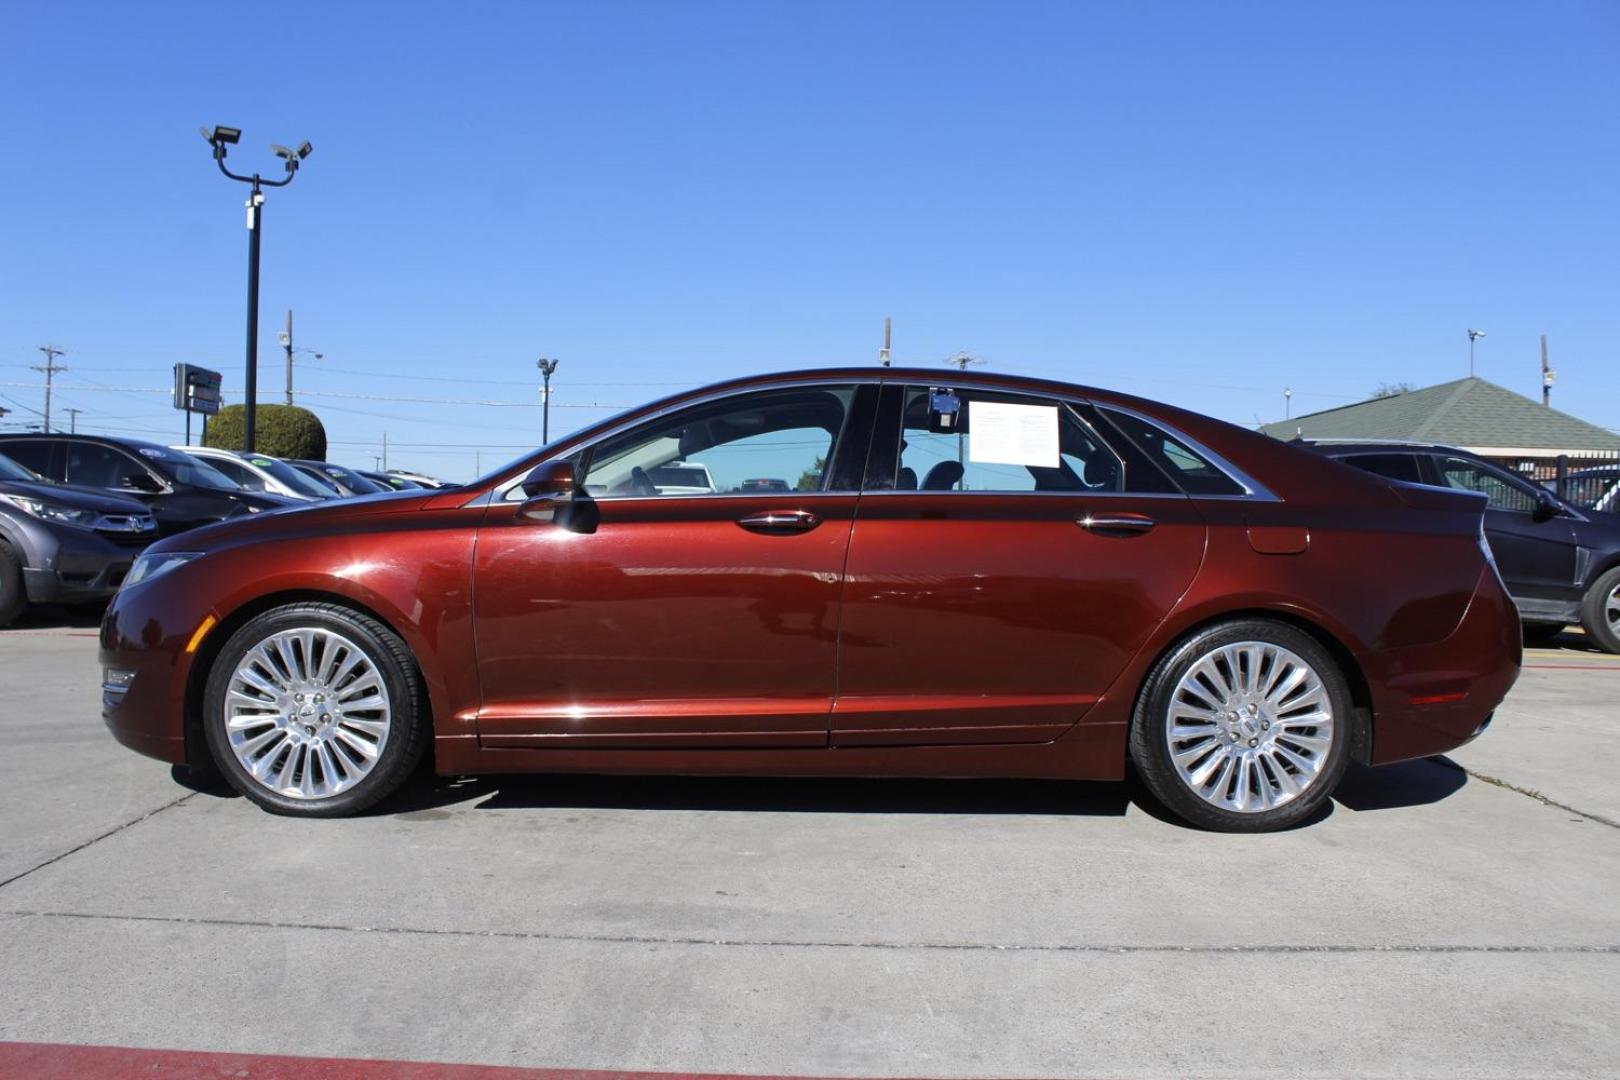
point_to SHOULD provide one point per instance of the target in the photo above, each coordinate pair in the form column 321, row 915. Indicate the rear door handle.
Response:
column 1118, row 524
column 778, row 522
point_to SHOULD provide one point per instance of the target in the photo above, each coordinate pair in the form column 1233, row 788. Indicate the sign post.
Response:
column 196, row 389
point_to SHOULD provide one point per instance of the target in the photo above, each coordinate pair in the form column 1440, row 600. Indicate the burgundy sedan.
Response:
column 958, row 576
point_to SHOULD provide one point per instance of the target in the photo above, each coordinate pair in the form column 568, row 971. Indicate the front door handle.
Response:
column 1117, row 524
column 779, row 522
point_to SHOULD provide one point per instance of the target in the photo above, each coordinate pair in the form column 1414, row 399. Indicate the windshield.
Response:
column 10, row 470
column 186, row 470
column 350, row 479
column 300, row 482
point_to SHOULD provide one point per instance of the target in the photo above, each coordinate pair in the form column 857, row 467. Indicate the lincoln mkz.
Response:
column 872, row 572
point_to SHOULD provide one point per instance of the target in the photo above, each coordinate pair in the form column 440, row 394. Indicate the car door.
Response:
column 1537, row 558
column 689, row 614
column 1008, row 559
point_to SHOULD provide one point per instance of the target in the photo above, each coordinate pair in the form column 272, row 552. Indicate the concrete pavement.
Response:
column 1431, row 924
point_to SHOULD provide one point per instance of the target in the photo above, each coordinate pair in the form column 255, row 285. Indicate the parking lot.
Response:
column 1446, row 917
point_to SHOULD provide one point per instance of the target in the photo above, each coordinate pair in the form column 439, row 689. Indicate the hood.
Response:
column 98, row 500
column 291, row 517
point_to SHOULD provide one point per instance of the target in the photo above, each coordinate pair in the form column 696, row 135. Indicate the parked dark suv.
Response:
column 181, row 491
column 63, row 545
column 1560, row 562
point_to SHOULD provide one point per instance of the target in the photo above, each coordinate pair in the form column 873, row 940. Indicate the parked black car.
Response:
column 63, row 545
column 1560, row 562
column 181, row 491
column 346, row 480
column 390, row 481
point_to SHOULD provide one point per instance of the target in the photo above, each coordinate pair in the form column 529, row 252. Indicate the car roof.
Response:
column 108, row 440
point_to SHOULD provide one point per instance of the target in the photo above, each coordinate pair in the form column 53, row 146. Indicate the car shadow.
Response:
column 838, row 795
column 57, row 617
column 1391, row 787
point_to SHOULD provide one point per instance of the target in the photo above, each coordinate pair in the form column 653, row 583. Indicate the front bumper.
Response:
column 67, row 565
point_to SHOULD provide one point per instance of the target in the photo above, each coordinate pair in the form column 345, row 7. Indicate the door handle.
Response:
column 780, row 522
column 1119, row 524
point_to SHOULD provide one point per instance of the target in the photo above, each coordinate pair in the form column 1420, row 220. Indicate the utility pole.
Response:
column 1473, row 336
column 73, row 420
column 1547, row 375
column 961, row 360
column 50, row 367
column 286, row 340
column 883, row 353
column 385, row 452
column 546, row 367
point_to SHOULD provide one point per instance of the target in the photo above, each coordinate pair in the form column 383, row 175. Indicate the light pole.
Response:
column 546, row 368
column 219, row 139
column 1288, row 403
column 1473, row 336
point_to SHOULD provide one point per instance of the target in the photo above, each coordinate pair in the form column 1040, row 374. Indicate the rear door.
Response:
column 1006, row 563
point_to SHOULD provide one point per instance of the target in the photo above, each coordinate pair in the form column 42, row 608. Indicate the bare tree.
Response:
column 1392, row 390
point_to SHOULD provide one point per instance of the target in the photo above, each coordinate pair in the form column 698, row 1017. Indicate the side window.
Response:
column 98, row 466
column 1392, row 466
column 239, row 474
column 33, row 454
column 977, row 440
column 1503, row 492
column 1190, row 469
column 756, row 443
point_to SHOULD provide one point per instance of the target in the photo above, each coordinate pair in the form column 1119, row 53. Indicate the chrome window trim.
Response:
column 500, row 492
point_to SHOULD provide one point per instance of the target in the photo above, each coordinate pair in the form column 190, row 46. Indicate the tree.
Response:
column 810, row 479
column 1392, row 390
column 289, row 431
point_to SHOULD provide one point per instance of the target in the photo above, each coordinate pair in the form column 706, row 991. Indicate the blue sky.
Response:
column 1196, row 202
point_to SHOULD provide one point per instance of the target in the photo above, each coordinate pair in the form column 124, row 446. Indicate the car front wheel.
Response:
column 1243, row 727
column 315, row 710
column 1600, row 613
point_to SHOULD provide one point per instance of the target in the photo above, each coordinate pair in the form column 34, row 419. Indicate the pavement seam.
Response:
column 766, row 943
column 98, row 839
column 1532, row 793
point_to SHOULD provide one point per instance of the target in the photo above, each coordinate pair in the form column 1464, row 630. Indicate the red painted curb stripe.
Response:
column 1574, row 667
column 57, row 1061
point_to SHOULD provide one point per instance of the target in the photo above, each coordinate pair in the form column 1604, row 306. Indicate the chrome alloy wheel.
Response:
column 307, row 713
column 1611, row 610
column 1249, row 726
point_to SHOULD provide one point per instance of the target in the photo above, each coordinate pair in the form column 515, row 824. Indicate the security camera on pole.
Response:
column 219, row 139
column 546, row 368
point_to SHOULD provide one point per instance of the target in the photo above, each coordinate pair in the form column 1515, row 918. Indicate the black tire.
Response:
column 13, row 597
column 409, row 727
column 1596, row 609
column 1150, row 739
column 1541, row 633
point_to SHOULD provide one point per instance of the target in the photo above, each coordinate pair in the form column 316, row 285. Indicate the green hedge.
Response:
column 288, row 431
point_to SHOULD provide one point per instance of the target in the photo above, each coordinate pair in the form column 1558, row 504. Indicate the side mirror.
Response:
column 1547, row 507
column 550, row 480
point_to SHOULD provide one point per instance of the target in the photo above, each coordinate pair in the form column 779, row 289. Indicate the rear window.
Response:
column 1392, row 466
column 1190, row 469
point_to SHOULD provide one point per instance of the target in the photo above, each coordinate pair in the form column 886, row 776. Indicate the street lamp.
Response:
column 1473, row 336
column 219, row 139
column 546, row 368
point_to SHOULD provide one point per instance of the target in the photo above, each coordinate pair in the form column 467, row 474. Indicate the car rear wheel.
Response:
column 1243, row 727
column 12, row 596
column 315, row 710
column 1600, row 613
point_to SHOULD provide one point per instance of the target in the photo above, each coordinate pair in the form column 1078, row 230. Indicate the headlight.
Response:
column 49, row 511
column 146, row 567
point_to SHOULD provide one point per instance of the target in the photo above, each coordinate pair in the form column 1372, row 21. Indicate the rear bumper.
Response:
column 1429, row 699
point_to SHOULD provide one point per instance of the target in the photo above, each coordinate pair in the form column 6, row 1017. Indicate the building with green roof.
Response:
column 1472, row 413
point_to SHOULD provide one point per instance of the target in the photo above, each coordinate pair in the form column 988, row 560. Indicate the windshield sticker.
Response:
column 154, row 452
column 1003, row 434
column 262, row 463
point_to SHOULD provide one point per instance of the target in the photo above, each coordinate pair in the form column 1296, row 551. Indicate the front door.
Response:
column 1006, row 566
column 1536, row 557
column 691, row 599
